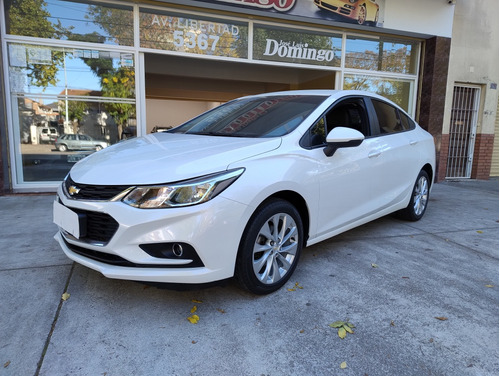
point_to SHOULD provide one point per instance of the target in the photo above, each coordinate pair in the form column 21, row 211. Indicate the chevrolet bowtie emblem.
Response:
column 73, row 190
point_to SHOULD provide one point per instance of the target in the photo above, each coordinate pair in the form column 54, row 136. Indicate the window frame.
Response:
column 376, row 128
column 306, row 140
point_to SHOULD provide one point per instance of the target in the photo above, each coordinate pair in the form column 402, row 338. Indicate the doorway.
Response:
column 463, row 127
column 179, row 88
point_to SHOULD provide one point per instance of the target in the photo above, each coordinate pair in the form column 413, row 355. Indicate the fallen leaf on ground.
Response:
column 441, row 318
column 221, row 310
column 490, row 286
column 6, row 364
column 196, row 301
column 65, row 296
column 479, row 231
column 343, row 327
column 374, row 266
column 193, row 319
column 343, row 365
column 342, row 332
column 193, row 310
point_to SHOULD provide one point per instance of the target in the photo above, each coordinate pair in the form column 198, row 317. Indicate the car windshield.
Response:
column 268, row 116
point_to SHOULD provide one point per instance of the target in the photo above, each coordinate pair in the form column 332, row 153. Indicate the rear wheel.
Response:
column 270, row 247
column 362, row 15
column 419, row 199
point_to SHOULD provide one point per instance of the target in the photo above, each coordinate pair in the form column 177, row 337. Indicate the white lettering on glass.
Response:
column 292, row 50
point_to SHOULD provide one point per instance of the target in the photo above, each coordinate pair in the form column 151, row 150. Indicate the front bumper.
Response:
column 211, row 230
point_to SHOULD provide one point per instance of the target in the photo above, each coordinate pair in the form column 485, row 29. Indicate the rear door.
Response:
column 395, row 152
column 85, row 143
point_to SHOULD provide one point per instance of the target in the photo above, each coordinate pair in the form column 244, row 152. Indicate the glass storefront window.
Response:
column 193, row 34
column 64, row 91
column 70, row 20
column 385, row 55
column 296, row 46
column 397, row 90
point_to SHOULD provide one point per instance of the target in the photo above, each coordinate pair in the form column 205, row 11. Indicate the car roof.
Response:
column 332, row 94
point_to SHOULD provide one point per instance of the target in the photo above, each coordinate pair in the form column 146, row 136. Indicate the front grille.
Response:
column 99, row 227
column 92, row 192
column 332, row 7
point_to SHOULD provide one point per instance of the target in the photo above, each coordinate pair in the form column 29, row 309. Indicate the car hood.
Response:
column 166, row 157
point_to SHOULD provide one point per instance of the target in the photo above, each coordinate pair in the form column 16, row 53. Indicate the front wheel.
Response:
column 419, row 199
column 270, row 247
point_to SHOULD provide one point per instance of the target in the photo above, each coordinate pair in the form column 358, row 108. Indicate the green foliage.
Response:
column 76, row 110
column 119, row 83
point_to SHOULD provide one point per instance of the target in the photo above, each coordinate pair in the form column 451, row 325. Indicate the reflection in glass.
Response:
column 381, row 55
column 57, row 91
column 398, row 91
column 41, row 126
column 197, row 35
column 70, row 20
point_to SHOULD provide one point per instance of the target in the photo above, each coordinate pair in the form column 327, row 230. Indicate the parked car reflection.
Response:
column 79, row 142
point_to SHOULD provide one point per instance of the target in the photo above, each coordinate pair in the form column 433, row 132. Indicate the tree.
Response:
column 119, row 83
column 76, row 111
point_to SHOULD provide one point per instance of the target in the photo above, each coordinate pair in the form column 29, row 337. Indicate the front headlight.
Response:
column 189, row 192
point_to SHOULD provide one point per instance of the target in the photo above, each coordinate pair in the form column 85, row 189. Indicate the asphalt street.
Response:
column 422, row 297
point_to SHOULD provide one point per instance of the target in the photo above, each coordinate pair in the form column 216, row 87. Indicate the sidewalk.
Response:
column 422, row 295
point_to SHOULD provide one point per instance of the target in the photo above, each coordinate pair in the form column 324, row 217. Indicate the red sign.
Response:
column 279, row 5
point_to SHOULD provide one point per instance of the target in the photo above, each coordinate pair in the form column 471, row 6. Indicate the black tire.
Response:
column 270, row 247
column 419, row 199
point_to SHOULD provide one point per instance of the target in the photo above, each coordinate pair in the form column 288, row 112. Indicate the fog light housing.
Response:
column 174, row 251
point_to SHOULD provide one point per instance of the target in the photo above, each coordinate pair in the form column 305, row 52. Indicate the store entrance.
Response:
column 179, row 88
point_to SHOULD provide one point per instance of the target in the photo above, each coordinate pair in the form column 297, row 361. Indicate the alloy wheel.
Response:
column 275, row 248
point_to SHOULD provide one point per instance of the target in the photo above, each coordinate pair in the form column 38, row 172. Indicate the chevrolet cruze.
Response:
column 241, row 189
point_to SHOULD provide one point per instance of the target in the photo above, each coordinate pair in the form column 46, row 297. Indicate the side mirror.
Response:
column 341, row 137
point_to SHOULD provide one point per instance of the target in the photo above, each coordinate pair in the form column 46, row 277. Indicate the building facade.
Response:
column 470, row 127
column 110, row 70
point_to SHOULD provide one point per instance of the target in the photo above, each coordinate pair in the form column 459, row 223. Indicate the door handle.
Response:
column 413, row 142
column 374, row 153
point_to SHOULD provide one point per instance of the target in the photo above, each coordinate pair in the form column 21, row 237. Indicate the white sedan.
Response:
column 241, row 189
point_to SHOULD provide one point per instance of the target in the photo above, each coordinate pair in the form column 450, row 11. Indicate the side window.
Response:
column 349, row 113
column 406, row 121
column 388, row 117
column 318, row 133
